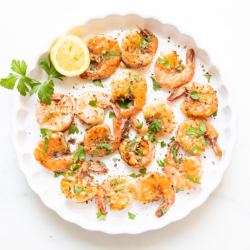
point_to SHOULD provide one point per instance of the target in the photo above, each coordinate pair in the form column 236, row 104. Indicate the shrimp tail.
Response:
column 190, row 56
column 116, row 109
column 135, row 123
column 216, row 148
column 177, row 94
column 129, row 112
column 100, row 200
column 160, row 211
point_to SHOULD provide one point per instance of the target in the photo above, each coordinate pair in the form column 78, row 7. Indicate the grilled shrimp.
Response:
column 105, row 52
column 78, row 186
column 57, row 116
column 159, row 117
column 139, row 48
column 128, row 84
column 90, row 107
column 154, row 186
column 118, row 191
column 137, row 153
column 191, row 134
column 98, row 140
column 178, row 173
column 174, row 74
column 204, row 104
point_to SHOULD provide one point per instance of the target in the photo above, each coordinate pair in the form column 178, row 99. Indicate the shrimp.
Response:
column 128, row 84
column 154, row 186
column 57, row 116
column 201, row 99
column 90, row 107
column 98, row 140
column 159, row 117
column 105, row 52
column 137, row 153
column 118, row 191
column 191, row 135
column 177, row 172
column 139, row 48
column 58, row 156
column 78, row 186
column 169, row 70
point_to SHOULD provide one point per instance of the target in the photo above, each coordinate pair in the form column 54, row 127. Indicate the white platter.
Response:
column 26, row 134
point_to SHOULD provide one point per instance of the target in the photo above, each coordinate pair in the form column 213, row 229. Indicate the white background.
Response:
column 223, row 221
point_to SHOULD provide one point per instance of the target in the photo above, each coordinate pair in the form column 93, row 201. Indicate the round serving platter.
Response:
column 26, row 133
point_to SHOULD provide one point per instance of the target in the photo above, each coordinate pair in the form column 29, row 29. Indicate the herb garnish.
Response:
column 156, row 85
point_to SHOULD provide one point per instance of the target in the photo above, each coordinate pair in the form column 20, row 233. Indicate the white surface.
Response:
column 222, row 222
column 26, row 133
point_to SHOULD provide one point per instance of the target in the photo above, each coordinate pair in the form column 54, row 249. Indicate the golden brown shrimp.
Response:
column 58, row 156
column 98, row 140
column 154, row 186
column 139, row 48
column 118, row 191
column 128, row 84
column 137, row 153
column 191, row 135
column 90, row 107
column 159, row 117
column 57, row 116
column 178, row 173
column 78, row 186
column 169, row 70
column 201, row 99
column 106, row 53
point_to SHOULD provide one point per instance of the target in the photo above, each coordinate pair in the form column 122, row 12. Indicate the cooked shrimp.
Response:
column 106, row 53
column 193, row 132
column 137, row 153
column 177, row 172
column 139, row 48
column 159, row 117
column 118, row 191
column 78, row 186
column 175, row 74
column 98, row 140
column 204, row 104
column 128, row 84
column 154, row 186
column 57, row 116
column 90, row 107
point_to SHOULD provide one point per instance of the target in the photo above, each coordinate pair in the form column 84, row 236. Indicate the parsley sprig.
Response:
column 192, row 132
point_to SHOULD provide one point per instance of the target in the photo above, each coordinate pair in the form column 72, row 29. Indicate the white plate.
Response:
column 26, row 134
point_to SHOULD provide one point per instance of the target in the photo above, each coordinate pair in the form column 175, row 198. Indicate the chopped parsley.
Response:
column 156, row 85
column 191, row 178
column 164, row 62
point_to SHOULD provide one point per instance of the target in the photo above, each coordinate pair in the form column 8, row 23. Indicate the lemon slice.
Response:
column 70, row 56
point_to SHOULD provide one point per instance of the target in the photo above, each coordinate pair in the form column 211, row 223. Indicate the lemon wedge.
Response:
column 70, row 55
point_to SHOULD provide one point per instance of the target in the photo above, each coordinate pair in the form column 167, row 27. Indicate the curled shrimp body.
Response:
column 90, row 107
column 188, row 137
column 57, row 116
column 137, row 153
column 78, row 186
column 175, row 74
column 204, row 106
column 128, row 84
column 105, row 52
column 177, row 172
column 154, row 186
column 139, row 48
column 118, row 191
column 156, row 112
column 98, row 140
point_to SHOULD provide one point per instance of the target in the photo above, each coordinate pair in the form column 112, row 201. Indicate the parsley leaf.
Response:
column 195, row 149
column 164, row 210
column 178, row 190
column 128, row 87
column 74, row 167
column 179, row 68
column 162, row 163
column 172, row 139
column 115, row 159
column 69, row 178
column 79, row 154
column 95, row 152
column 64, row 112
column 73, row 130
column 111, row 53
column 156, row 141
column 102, row 163
column 45, row 145
column 50, row 69
column 140, row 126
column 112, row 115
column 98, row 82
column 149, row 135
column 191, row 178
column 208, row 76
column 45, row 132
column 143, row 171
column 150, row 38
column 215, row 113
column 126, row 104
column 140, row 153
column 131, row 216
column 164, row 62
column 203, row 142
column 192, row 132
column 114, row 182
column 137, row 77
column 156, row 85
column 120, row 188
column 155, row 127
column 100, row 215
column 195, row 96
column 77, row 190
column 144, row 43
column 57, row 173
column 163, row 144
column 173, row 149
